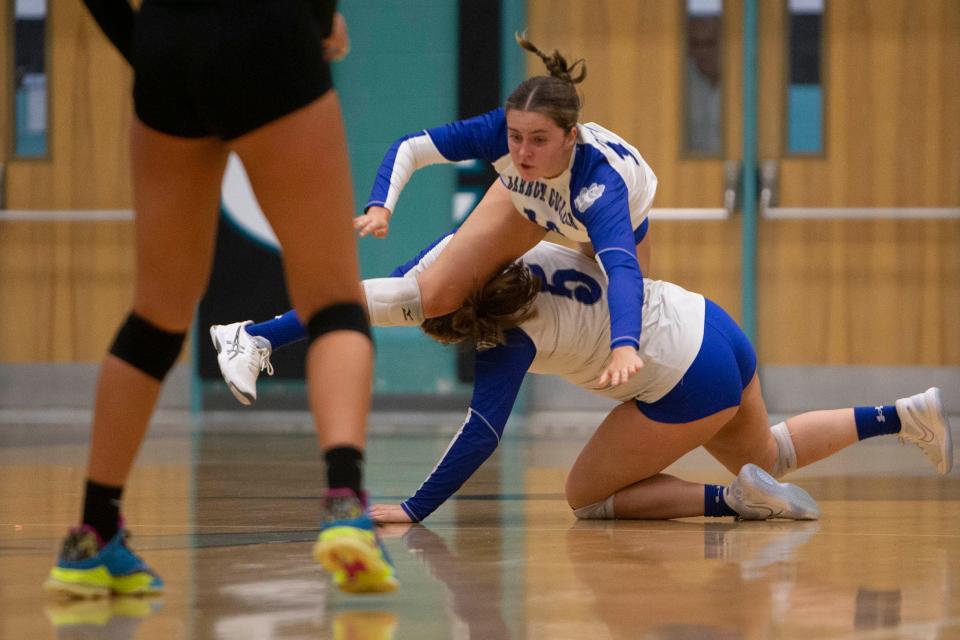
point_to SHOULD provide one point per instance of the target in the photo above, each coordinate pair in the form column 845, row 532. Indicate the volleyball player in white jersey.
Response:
column 699, row 387
column 578, row 180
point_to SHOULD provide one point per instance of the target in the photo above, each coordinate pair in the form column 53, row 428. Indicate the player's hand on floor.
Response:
column 389, row 530
column 384, row 513
column 375, row 221
column 624, row 362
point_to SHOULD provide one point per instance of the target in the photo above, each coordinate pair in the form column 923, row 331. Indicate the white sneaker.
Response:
column 924, row 424
column 241, row 358
column 755, row 495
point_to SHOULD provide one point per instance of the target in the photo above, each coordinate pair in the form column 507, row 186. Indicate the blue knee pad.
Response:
column 343, row 316
column 147, row 347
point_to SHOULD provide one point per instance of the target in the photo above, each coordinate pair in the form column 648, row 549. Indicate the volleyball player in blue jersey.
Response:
column 555, row 174
column 699, row 387
column 213, row 77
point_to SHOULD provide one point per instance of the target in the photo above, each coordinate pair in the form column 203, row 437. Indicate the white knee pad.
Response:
column 596, row 511
column 393, row 302
column 786, row 453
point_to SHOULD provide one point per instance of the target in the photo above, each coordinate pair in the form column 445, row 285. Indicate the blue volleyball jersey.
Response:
column 601, row 198
column 568, row 337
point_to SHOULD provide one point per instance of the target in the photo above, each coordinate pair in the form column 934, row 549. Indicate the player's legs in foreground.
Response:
column 299, row 169
column 176, row 198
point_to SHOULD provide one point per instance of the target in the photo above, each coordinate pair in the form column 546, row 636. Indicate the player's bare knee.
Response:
column 785, row 459
column 570, row 493
column 172, row 308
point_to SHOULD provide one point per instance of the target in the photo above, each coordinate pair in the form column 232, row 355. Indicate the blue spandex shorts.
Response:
column 715, row 381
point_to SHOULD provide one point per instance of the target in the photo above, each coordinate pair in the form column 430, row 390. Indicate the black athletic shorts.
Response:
column 224, row 68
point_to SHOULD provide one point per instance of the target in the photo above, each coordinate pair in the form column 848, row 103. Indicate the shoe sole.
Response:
column 243, row 398
column 82, row 591
column 76, row 591
column 946, row 448
column 341, row 553
column 758, row 489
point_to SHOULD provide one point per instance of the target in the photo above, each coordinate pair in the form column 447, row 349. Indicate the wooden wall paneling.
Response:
column 893, row 104
column 90, row 111
column 876, row 293
column 772, row 79
column 633, row 52
column 70, row 284
column 870, row 292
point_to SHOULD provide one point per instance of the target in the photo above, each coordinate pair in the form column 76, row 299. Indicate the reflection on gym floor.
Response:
column 228, row 519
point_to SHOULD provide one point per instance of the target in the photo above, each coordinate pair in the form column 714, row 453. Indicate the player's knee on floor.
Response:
column 786, row 460
column 146, row 347
column 602, row 510
column 343, row 316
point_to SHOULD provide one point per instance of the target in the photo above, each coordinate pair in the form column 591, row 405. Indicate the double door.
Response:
column 857, row 135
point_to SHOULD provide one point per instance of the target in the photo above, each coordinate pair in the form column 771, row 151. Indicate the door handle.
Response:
column 769, row 175
column 731, row 189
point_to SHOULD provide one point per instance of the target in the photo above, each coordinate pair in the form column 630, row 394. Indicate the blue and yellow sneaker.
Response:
column 350, row 549
column 88, row 569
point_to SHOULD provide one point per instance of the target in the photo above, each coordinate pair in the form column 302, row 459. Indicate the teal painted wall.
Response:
column 400, row 77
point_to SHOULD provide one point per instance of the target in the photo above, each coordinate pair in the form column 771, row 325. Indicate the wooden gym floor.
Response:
column 228, row 518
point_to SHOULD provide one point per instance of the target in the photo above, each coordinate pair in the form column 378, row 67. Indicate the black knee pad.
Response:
column 146, row 347
column 343, row 316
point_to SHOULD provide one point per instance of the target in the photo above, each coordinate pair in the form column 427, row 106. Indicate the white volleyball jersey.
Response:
column 602, row 164
column 571, row 329
column 568, row 337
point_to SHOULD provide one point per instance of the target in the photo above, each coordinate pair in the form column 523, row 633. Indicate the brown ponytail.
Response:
column 503, row 303
column 554, row 95
column 556, row 64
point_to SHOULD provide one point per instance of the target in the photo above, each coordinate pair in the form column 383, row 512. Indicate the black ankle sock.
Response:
column 344, row 468
column 101, row 509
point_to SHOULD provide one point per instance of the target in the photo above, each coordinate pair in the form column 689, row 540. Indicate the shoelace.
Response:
column 80, row 544
column 234, row 348
column 263, row 357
